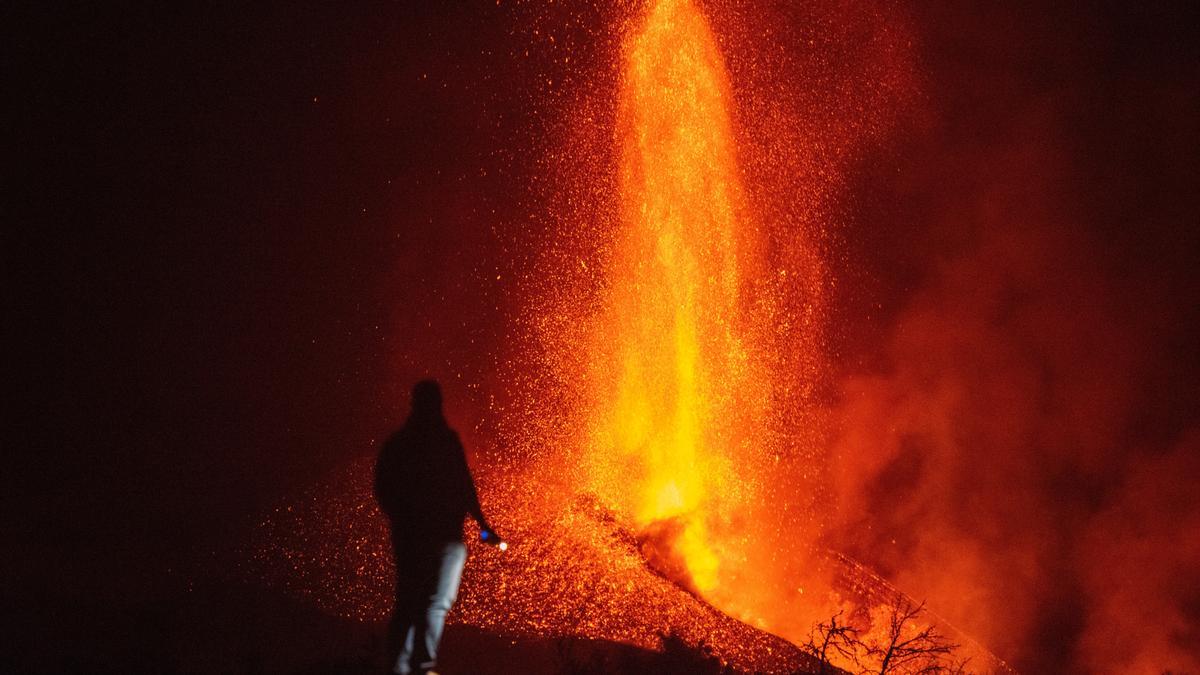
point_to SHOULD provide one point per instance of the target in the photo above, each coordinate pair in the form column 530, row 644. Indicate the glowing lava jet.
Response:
column 677, row 392
column 681, row 463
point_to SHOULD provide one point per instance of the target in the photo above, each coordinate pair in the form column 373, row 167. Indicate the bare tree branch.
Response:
column 830, row 637
column 910, row 645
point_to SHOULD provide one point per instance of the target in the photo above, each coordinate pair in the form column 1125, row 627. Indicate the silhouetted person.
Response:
column 424, row 486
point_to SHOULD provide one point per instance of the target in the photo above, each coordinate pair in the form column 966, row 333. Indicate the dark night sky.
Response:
column 231, row 221
column 232, row 212
column 237, row 229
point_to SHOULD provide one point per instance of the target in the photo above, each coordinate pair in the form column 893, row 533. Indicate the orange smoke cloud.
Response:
column 994, row 461
column 1139, row 562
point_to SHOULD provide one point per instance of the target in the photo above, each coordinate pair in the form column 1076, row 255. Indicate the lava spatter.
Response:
column 664, row 471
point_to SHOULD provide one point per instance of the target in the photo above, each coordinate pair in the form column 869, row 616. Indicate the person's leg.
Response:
column 448, row 567
column 404, row 661
column 409, row 610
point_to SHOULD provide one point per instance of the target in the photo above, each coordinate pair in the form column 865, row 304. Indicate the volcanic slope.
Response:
column 572, row 571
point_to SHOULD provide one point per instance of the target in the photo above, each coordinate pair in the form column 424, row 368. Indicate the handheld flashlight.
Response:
column 493, row 539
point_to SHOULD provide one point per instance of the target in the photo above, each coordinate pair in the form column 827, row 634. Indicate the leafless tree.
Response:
column 912, row 646
column 835, row 635
column 908, row 645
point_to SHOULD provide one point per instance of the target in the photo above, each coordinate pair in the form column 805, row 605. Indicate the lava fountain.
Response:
column 679, row 394
column 663, row 435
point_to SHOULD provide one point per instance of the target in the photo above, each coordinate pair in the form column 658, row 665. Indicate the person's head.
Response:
column 427, row 399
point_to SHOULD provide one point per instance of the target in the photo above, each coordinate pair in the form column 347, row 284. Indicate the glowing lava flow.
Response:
column 677, row 389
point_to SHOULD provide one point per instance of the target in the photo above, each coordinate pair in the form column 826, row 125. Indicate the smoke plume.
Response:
column 1018, row 445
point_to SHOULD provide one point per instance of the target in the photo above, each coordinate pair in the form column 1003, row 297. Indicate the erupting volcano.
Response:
column 781, row 337
column 691, row 354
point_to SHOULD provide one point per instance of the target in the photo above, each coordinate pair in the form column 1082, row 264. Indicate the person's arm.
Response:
column 386, row 477
column 471, row 494
column 486, row 533
column 474, row 508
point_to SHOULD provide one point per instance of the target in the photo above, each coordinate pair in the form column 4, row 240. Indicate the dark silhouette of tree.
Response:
column 906, row 644
column 835, row 635
column 912, row 646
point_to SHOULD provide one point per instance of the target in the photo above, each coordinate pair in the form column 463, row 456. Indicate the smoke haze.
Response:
column 1016, row 426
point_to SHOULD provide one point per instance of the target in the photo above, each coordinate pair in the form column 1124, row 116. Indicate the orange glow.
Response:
column 673, row 382
column 665, row 434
